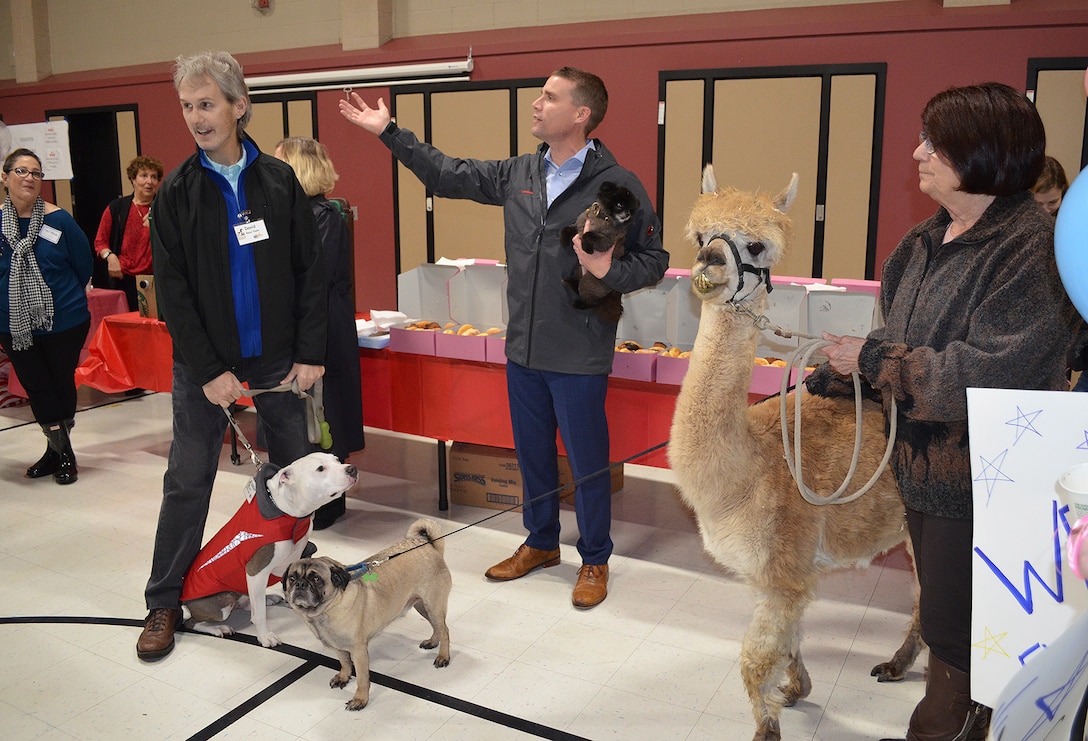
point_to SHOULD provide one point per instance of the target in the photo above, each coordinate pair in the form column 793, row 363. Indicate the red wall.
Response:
column 925, row 47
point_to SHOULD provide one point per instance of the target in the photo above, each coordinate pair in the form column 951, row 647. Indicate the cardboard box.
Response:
column 767, row 379
column 470, row 294
column 634, row 366
column 460, row 348
column 145, row 296
column 671, row 370
column 483, row 476
column 840, row 312
column 495, row 348
column 418, row 341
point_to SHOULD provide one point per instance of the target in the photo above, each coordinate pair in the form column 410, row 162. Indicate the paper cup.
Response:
column 1073, row 483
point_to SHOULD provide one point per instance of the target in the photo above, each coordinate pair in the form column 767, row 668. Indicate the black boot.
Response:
column 49, row 462
column 57, row 432
column 947, row 711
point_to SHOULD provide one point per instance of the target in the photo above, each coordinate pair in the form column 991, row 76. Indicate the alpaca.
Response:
column 729, row 464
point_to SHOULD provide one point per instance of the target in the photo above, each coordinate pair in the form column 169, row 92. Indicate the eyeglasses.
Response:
column 924, row 141
column 23, row 172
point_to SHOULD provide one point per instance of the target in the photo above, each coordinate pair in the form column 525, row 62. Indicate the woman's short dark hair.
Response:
column 9, row 161
column 589, row 90
column 143, row 163
column 990, row 134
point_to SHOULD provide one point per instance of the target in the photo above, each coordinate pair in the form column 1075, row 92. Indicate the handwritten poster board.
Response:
column 49, row 141
column 1025, row 595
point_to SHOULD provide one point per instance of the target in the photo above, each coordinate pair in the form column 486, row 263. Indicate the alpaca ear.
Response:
column 783, row 200
column 710, row 183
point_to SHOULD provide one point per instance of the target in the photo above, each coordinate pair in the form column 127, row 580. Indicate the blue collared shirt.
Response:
column 559, row 177
column 243, row 267
column 230, row 172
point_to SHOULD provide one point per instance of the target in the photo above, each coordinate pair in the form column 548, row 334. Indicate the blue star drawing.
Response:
column 1084, row 445
column 1024, row 423
column 992, row 473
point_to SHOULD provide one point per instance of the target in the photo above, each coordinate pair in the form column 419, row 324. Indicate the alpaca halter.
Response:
column 763, row 275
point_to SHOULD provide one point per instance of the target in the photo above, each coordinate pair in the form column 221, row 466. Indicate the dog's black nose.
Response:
column 351, row 470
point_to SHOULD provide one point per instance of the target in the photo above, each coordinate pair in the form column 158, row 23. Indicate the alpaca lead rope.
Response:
column 797, row 362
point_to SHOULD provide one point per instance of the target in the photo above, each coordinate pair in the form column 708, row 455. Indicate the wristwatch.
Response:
column 104, row 254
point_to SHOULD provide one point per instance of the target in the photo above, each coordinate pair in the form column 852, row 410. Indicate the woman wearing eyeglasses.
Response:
column 45, row 263
column 970, row 297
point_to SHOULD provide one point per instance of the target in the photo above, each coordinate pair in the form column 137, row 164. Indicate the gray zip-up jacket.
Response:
column 545, row 331
column 986, row 310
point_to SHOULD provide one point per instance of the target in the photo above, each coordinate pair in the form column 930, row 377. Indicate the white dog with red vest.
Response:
column 251, row 552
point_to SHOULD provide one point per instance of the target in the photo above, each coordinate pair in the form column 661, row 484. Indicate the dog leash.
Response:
column 366, row 568
column 317, row 429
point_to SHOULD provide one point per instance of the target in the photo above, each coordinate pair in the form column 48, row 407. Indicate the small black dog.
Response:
column 608, row 218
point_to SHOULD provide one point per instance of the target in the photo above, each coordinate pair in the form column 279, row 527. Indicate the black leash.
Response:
column 366, row 567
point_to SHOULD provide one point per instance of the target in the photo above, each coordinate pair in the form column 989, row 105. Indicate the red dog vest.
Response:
column 221, row 564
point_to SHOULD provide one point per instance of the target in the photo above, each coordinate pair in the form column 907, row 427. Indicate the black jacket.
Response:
column 342, row 386
column 193, row 288
column 545, row 331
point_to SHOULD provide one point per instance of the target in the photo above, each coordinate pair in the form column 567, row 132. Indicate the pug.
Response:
column 269, row 531
column 345, row 612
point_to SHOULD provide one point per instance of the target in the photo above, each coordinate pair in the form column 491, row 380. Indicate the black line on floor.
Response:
column 100, row 405
column 312, row 660
column 254, row 702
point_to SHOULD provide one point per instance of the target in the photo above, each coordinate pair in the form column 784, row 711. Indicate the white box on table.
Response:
column 840, row 312
column 467, row 294
column 645, row 321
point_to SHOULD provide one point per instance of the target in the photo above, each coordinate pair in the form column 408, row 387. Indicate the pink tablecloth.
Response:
column 102, row 302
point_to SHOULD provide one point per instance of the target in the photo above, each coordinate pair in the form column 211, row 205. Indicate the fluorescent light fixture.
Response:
column 346, row 79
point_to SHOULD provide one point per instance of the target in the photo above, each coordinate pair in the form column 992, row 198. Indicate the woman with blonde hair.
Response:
column 342, row 391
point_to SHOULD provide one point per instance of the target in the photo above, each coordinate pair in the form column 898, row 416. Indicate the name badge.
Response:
column 251, row 231
column 49, row 234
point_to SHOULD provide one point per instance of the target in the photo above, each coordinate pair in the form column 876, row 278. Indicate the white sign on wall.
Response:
column 1025, row 595
column 49, row 141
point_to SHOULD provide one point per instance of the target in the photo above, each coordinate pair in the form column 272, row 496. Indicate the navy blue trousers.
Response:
column 542, row 402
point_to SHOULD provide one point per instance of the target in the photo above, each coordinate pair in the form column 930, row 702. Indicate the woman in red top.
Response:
column 123, row 241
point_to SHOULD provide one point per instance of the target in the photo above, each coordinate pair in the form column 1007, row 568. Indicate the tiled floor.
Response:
column 657, row 660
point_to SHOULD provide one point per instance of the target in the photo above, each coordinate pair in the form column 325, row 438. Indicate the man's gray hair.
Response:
column 221, row 68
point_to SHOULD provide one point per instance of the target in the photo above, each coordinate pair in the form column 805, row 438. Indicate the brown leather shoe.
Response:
column 524, row 560
column 592, row 586
column 157, row 638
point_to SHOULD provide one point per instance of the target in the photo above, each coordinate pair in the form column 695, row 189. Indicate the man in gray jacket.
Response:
column 559, row 356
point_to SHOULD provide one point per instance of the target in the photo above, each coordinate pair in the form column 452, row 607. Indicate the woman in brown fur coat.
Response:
column 971, row 297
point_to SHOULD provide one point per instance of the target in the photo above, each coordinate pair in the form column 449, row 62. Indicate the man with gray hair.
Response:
column 240, row 283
